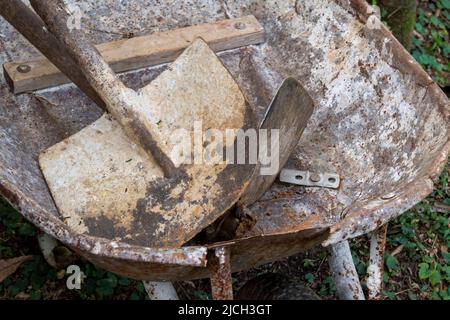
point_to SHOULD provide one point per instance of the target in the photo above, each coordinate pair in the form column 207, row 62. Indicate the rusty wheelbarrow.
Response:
column 381, row 127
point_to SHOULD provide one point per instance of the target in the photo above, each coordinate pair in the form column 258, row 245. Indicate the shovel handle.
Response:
column 120, row 100
column 28, row 23
column 99, row 74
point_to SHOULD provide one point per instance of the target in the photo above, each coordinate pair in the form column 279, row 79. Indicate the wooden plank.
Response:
column 149, row 50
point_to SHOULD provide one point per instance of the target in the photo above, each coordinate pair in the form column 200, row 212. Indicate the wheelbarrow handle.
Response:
column 120, row 100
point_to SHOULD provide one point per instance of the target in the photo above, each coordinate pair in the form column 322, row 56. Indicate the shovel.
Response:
column 119, row 178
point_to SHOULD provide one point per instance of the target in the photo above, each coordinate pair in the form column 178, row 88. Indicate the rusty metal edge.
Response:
column 186, row 256
column 307, row 227
column 423, row 185
column 369, row 216
column 406, row 198
column 362, row 11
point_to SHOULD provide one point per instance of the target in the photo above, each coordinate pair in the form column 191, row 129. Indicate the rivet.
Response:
column 314, row 177
column 23, row 68
column 388, row 196
column 240, row 25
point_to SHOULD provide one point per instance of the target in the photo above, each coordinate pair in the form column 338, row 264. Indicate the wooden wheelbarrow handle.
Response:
column 28, row 23
column 120, row 100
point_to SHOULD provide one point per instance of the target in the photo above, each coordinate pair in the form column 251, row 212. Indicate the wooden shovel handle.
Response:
column 120, row 101
column 98, row 73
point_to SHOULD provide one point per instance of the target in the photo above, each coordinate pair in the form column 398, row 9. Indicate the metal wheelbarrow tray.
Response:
column 381, row 123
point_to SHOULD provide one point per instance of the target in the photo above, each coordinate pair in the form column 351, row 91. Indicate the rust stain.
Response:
column 10, row 196
column 220, row 267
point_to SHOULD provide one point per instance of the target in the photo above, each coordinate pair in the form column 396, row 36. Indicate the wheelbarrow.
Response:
column 381, row 128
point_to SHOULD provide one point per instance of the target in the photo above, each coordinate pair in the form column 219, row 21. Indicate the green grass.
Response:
column 431, row 47
column 35, row 279
column 423, row 234
column 420, row 269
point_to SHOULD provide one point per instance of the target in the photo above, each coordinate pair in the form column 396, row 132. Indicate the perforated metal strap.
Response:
column 306, row 178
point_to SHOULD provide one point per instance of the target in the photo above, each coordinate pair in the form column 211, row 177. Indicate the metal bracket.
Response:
column 306, row 178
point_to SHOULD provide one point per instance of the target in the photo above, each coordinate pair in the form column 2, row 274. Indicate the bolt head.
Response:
column 314, row 177
column 240, row 25
column 23, row 68
column 388, row 196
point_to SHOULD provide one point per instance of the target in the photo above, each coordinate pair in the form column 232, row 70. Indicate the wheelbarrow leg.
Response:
column 220, row 269
column 344, row 272
column 159, row 290
column 376, row 263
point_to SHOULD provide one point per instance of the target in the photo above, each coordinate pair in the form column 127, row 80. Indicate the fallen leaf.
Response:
column 47, row 244
column 190, row 283
column 22, row 296
column 60, row 275
column 397, row 250
column 441, row 208
column 9, row 266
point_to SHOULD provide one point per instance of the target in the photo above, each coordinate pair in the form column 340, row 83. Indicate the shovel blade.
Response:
column 107, row 186
column 289, row 113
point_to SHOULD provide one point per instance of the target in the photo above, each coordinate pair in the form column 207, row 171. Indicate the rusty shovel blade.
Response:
column 106, row 185
column 285, row 120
